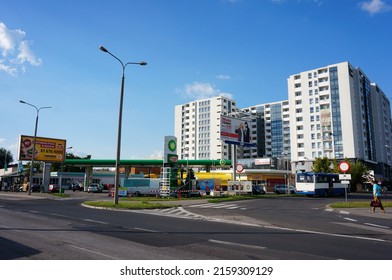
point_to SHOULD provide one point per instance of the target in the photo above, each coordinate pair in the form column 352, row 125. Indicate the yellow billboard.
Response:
column 46, row 149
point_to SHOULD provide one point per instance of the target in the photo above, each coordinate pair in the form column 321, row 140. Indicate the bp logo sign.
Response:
column 170, row 149
column 172, row 145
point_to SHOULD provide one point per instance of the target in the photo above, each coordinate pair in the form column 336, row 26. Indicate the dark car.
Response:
column 36, row 188
column 257, row 190
column 77, row 187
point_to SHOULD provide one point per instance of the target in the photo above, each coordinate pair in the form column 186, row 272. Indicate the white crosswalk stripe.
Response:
column 177, row 212
column 215, row 206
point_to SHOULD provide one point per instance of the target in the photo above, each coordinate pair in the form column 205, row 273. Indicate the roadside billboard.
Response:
column 235, row 131
column 239, row 187
column 46, row 149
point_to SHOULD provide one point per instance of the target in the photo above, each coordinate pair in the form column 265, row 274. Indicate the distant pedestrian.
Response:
column 376, row 197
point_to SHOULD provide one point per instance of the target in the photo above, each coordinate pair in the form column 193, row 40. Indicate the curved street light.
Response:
column 117, row 168
column 34, row 141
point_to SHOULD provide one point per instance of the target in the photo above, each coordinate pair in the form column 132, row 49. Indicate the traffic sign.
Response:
column 239, row 167
column 344, row 166
column 344, row 176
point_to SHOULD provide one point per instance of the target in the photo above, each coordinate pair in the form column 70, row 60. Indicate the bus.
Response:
column 319, row 184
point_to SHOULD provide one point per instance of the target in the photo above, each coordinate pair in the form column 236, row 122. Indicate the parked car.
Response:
column 257, row 190
column 54, row 188
column 35, row 188
column 282, row 189
column 94, row 188
column 77, row 187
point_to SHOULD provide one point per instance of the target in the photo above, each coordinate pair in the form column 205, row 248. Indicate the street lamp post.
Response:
column 34, row 141
column 117, row 167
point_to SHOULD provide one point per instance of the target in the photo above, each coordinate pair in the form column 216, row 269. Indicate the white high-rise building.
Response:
column 336, row 112
column 197, row 128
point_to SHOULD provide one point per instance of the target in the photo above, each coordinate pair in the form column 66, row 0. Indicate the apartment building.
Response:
column 270, row 129
column 336, row 112
column 333, row 111
column 197, row 128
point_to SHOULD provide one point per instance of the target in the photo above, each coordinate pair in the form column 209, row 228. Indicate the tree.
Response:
column 322, row 165
column 5, row 157
column 359, row 174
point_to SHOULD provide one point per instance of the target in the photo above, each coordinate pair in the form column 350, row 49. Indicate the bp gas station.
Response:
column 49, row 150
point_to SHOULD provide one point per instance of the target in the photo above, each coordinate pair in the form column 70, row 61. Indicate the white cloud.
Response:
column 223, row 77
column 375, row 7
column 199, row 90
column 15, row 51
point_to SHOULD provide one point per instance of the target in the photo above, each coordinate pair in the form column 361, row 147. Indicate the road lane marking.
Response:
column 93, row 252
column 374, row 225
column 327, row 234
column 236, row 244
column 368, row 227
column 95, row 221
column 185, row 214
column 146, row 230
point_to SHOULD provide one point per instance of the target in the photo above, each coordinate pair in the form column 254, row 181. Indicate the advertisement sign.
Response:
column 262, row 161
column 46, row 149
column 170, row 150
column 206, row 185
column 235, row 131
column 239, row 187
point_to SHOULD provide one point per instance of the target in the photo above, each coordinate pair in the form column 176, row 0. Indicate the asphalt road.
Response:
column 296, row 228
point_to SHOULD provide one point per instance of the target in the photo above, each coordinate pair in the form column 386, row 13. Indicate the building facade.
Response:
column 197, row 128
column 270, row 129
column 336, row 112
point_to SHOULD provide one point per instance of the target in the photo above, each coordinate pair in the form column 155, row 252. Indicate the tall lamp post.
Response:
column 117, row 168
column 34, row 141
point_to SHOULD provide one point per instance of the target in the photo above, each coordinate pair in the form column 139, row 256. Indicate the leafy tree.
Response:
column 335, row 165
column 359, row 173
column 322, row 165
column 5, row 157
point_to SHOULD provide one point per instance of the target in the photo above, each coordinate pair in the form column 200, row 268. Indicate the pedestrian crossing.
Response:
column 177, row 212
column 217, row 206
column 180, row 212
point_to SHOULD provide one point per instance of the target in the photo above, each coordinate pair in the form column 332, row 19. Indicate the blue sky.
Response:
column 246, row 49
